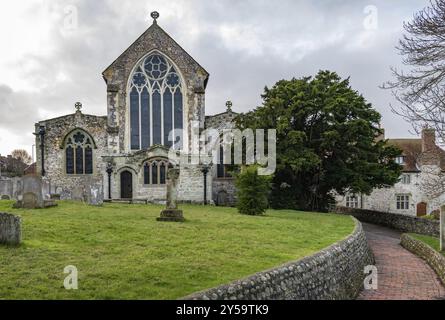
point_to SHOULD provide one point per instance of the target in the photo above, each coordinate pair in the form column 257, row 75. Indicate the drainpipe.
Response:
column 42, row 133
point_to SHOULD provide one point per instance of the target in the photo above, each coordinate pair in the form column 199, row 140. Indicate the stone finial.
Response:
column 78, row 106
column 155, row 16
column 229, row 106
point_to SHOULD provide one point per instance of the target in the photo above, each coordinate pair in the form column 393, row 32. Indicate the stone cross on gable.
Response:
column 229, row 106
column 78, row 106
column 155, row 16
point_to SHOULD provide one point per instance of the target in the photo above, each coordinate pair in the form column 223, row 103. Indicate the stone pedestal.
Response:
column 171, row 215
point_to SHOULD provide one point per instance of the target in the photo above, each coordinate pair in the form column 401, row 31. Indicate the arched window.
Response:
column 156, row 103
column 155, row 172
column 79, row 153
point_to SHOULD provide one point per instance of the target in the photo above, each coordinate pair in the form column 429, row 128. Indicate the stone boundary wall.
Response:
column 335, row 273
column 10, row 229
column 435, row 260
column 394, row 221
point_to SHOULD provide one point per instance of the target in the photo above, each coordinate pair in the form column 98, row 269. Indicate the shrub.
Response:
column 252, row 191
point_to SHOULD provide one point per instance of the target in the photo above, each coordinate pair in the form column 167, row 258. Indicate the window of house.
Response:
column 156, row 103
column 352, row 201
column 400, row 160
column 406, row 179
column 155, row 172
column 402, row 202
column 79, row 153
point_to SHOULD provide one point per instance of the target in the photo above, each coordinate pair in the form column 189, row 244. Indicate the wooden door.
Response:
column 126, row 185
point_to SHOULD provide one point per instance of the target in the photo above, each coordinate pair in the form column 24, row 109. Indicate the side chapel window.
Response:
column 79, row 153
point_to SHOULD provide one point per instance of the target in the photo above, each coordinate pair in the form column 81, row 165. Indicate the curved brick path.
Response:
column 401, row 274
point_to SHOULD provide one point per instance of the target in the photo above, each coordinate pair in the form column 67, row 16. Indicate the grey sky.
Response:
column 49, row 62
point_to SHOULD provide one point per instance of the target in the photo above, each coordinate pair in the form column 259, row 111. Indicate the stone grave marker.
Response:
column 31, row 194
column 172, row 213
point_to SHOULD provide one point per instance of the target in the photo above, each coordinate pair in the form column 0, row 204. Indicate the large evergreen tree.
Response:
column 327, row 140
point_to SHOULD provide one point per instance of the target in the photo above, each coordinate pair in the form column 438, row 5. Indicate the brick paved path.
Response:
column 401, row 274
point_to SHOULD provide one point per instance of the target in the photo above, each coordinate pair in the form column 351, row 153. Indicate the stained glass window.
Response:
column 156, row 102
column 79, row 153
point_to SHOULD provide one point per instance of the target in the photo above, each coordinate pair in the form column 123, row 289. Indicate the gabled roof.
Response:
column 412, row 151
column 139, row 42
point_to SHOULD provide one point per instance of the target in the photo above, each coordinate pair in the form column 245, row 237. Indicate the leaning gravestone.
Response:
column 31, row 195
column 10, row 229
column 6, row 189
column 172, row 213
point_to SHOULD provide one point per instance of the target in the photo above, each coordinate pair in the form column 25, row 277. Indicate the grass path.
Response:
column 121, row 252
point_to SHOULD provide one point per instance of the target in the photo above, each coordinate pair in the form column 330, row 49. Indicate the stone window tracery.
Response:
column 79, row 153
column 156, row 102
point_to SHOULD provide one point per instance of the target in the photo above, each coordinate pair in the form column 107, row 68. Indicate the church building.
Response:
column 155, row 89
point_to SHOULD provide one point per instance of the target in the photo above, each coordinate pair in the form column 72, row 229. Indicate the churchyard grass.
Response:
column 433, row 242
column 122, row 252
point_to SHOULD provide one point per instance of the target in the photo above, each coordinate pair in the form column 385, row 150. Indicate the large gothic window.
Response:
column 156, row 103
column 79, row 153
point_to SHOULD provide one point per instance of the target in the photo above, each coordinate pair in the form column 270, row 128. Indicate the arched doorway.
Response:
column 421, row 209
column 126, row 185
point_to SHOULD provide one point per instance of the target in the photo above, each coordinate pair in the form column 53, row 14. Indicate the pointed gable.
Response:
column 155, row 38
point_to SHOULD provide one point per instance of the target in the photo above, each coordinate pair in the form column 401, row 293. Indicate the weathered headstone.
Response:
column 95, row 196
column 6, row 189
column 172, row 213
column 31, row 194
column 10, row 229
column 78, row 193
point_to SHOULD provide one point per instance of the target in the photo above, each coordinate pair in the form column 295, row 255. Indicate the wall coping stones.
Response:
column 434, row 259
column 10, row 229
column 335, row 273
column 395, row 221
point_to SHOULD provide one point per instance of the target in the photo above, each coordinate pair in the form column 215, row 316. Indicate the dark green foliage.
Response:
column 252, row 191
column 327, row 139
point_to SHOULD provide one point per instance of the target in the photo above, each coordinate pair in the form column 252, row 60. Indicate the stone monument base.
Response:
column 171, row 215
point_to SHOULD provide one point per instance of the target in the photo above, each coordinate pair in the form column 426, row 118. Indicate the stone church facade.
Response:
column 155, row 95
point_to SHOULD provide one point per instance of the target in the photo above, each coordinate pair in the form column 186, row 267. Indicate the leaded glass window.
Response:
column 156, row 102
column 79, row 153
column 155, row 172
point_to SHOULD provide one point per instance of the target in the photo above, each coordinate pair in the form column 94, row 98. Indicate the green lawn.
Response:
column 121, row 252
column 431, row 241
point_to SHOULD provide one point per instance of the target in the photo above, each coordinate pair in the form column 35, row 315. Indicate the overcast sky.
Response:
column 53, row 52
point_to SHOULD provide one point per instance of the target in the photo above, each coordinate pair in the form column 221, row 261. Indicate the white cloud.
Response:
column 48, row 63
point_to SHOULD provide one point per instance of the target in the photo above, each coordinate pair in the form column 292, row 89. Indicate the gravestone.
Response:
column 78, row 193
column 6, row 189
column 95, row 195
column 10, row 229
column 172, row 213
column 31, row 195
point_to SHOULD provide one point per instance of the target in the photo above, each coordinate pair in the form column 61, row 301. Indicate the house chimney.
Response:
column 428, row 140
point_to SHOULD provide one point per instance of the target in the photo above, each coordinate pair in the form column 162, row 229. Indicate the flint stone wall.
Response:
column 10, row 229
column 435, row 260
column 395, row 221
column 336, row 273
